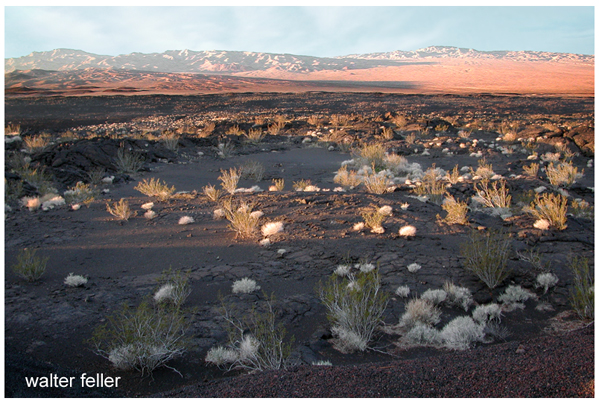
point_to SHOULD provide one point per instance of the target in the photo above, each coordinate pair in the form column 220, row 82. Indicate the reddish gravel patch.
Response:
column 550, row 366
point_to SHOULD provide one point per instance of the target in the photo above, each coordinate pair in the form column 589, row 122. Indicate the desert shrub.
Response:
column 225, row 150
column 552, row 208
column 38, row 177
column 255, row 135
column 484, row 170
column 315, row 120
column 170, row 141
column 373, row 219
column 30, row 267
column 414, row 267
column 355, row 307
column 301, row 184
column 174, row 287
column 143, row 338
column 207, row 130
column 121, row 210
column 546, row 280
column 514, row 296
column 376, row 183
column 212, row 193
column 128, row 161
column 582, row 292
column 582, row 209
column 387, row 134
column 420, row 311
column 256, row 341
column 372, row 155
column 461, row 332
column 453, row 177
column 37, row 143
column 422, row 335
column 235, row 130
column 486, row 313
column 456, row 211
column 562, row 175
column 186, row 220
column 276, row 128
column 402, row 291
column 96, row 175
column 75, row 280
column 431, row 185
column 240, row 218
column 407, row 231
column 229, row 179
column 252, row 170
column 272, row 228
column 80, row 193
column 435, row 296
column 531, row 170
column 494, row 197
column 486, row 255
column 156, row 188
column 278, row 184
column 245, row 285
column 347, row 178
column 410, row 139
column 457, row 295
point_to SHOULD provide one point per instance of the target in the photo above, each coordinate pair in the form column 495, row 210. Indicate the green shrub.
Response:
column 30, row 267
column 355, row 307
column 143, row 338
column 582, row 292
column 256, row 340
column 486, row 256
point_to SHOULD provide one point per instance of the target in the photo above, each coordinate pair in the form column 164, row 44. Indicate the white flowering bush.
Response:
column 458, row 296
column 420, row 311
column 272, row 228
column 546, row 281
column 461, row 332
column 514, row 297
column 402, row 291
column 186, row 220
column 407, row 231
column 354, row 312
column 75, row 280
column 245, row 285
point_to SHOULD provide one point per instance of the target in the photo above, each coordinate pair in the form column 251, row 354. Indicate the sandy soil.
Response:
column 124, row 260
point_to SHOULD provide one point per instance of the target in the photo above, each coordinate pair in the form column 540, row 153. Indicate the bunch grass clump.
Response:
column 372, row 155
column 155, row 188
column 240, row 218
column 229, row 179
column 278, row 184
column 355, row 306
column 562, row 175
column 456, row 211
column 347, row 178
column 121, row 210
column 486, row 256
column 30, row 267
column 431, row 186
column 493, row 196
column 127, row 161
column 80, row 193
column 212, row 192
column 376, row 183
column 552, row 208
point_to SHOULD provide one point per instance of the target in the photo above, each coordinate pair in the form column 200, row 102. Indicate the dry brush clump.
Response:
column 495, row 196
column 229, row 179
column 431, row 185
column 155, row 188
column 456, row 211
column 240, row 217
column 128, row 161
column 562, row 175
column 551, row 208
column 121, row 210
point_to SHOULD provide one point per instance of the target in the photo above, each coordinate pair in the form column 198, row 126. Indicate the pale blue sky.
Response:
column 314, row 31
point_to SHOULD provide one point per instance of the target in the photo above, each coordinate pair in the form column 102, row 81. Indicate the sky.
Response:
column 302, row 30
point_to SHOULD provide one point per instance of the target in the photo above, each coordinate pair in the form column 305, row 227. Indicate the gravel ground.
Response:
column 549, row 366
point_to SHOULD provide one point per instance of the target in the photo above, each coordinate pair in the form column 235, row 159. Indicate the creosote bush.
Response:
column 30, row 267
column 486, row 255
column 355, row 306
column 143, row 338
column 155, row 188
column 582, row 292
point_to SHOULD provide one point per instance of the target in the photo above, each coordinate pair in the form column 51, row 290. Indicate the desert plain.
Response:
column 301, row 132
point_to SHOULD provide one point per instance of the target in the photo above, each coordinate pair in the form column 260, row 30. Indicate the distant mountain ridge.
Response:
column 226, row 62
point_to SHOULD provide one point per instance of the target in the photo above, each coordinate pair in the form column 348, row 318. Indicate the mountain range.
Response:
column 435, row 69
column 187, row 61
